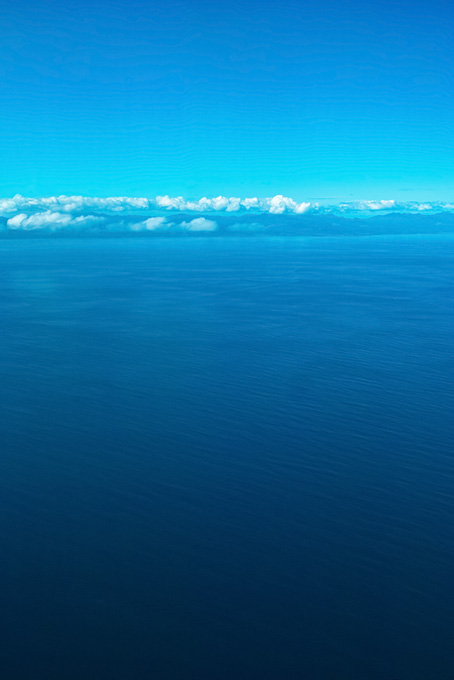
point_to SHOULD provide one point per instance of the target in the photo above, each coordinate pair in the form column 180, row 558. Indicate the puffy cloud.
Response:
column 279, row 204
column 176, row 203
column 8, row 205
column 251, row 203
column 161, row 224
column 379, row 205
column 220, row 203
column 199, row 224
column 361, row 206
column 50, row 220
column 151, row 224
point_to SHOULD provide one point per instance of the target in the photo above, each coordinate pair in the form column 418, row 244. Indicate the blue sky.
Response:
column 334, row 100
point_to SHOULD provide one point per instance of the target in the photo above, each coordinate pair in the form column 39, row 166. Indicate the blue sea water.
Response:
column 227, row 458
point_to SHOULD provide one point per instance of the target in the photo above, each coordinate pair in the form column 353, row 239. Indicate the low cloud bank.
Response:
column 276, row 205
column 172, row 216
column 51, row 220
column 160, row 224
column 118, row 204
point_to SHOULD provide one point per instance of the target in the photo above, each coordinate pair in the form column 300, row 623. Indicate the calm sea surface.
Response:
column 227, row 458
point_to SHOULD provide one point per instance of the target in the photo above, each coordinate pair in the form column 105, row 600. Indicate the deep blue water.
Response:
column 227, row 458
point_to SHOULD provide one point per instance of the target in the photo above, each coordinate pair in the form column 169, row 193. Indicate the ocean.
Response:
column 227, row 458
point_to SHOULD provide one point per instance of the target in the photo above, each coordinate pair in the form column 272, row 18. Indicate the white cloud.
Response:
column 176, row 203
column 160, row 223
column 360, row 206
column 378, row 205
column 39, row 220
column 50, row 220
column 151, row 224
column 16, row 221
column 8, row 205
column 279, row 204
column 251, row 203
column 220, row 203
column 199, row 224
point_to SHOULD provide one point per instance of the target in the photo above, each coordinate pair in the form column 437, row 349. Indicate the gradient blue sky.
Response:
column 329, row 99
